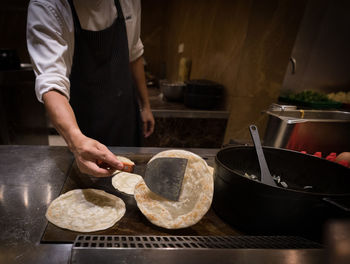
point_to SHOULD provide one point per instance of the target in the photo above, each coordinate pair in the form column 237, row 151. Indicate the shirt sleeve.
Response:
column 136, row 47
column 47, row 41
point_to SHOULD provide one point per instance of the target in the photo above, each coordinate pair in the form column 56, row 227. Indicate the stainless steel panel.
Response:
column 235, row 256
column 194, row 249
column 309, row 130
column 191, row 242
column 300, row 116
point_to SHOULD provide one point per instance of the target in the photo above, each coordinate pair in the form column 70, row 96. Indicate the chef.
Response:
column 87, row 56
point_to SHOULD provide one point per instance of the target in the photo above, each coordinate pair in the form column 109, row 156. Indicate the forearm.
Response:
column 88, row 152
column 62, row 116
column 138, row 73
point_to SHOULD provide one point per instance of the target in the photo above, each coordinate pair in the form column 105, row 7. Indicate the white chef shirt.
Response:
column 50, row 36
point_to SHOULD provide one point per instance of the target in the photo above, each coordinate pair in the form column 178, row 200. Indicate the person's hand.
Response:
column 147, row 121
column 91, row 154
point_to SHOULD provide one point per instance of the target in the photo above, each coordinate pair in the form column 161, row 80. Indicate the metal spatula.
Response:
column 164, row 176
column 266, row 177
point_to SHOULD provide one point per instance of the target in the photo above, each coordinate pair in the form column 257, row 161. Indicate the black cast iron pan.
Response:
column 259, row 209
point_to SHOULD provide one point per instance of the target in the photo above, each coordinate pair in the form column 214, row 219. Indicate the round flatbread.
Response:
column 125, row 182
column 211, row 169
column 85, row 210
column 195, row 196
column 125, row 160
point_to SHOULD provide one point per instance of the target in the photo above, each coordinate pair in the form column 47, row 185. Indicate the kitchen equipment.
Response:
column 309, row 130
column 203, row 94
column 164, row 176
column 127, row 166
column 265, row 177
column 279, row 107
column 318, row 190
column 186, row 249
column 172, row 91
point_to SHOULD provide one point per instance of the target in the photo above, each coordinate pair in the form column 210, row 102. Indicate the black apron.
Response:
column 102, row 93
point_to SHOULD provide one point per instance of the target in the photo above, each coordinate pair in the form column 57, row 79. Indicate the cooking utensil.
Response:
column 127, row 166
column 278, row 107
column 265, row 175
column 203, row 94
column 172, row 91
column 164, row 176
column 293, row 211
column 202, row 101
column 309, row 130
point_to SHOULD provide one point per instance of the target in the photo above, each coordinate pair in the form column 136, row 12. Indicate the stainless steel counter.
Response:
column 32, row 176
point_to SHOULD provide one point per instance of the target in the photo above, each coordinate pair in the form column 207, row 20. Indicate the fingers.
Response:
column 144, row 123
column 112, row 160
column 147, row 122
column 96, row 159
column 104, row 155
column 93, row 169
column 149, row 128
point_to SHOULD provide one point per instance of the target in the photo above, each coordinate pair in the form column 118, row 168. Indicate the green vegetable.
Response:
column 309, row 96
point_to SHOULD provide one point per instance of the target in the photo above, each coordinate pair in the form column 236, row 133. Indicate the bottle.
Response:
column 184, row 69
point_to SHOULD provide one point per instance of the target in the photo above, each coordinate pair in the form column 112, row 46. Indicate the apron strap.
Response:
column 119, row 9
column 75, row 16
column 77, row 24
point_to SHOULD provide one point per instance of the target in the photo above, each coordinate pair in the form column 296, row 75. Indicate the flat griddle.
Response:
column 133, row 222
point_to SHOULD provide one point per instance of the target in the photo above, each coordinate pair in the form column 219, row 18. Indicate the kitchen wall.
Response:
column 321, row 49
column 243, row 44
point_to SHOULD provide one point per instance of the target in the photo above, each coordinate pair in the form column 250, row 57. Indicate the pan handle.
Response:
column 336, row 204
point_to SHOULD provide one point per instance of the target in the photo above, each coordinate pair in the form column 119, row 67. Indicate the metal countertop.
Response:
column 32, row 176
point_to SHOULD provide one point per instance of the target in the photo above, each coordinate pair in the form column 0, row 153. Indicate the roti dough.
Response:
column 125, row 160
column 125, row 182
column 211, row 169
column 195, row 196
column 85, row 210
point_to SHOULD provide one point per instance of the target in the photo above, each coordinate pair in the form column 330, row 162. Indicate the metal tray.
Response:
column 309, row 130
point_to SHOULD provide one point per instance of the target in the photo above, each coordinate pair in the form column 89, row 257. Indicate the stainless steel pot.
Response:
column 172, row 91
column 203, row 94
column 309, row 130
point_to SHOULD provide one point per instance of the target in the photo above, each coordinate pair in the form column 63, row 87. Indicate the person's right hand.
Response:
column 89, row 153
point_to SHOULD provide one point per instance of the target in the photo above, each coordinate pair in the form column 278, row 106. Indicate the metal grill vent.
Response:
column 193, row 242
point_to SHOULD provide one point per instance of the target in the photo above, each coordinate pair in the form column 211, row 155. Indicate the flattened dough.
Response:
column 125, row 182
column 125, row 160
column 195, row 196
column 85, row 210
column 211, row 169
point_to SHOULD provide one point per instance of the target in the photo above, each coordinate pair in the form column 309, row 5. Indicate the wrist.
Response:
column 74, row 139
column 145, row 105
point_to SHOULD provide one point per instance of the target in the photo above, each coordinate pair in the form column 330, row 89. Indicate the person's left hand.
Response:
column 147, row 121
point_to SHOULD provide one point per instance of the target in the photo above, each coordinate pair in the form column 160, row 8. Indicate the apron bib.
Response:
column 102, row 93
